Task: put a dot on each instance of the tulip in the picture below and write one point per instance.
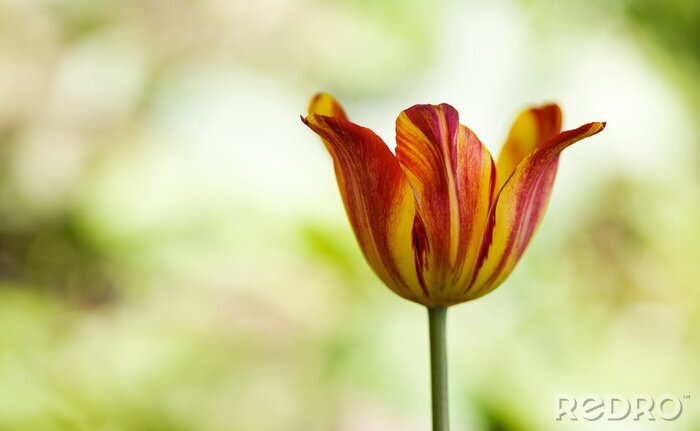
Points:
(439, 222)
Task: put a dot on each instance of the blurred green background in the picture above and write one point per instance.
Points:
(174, 254)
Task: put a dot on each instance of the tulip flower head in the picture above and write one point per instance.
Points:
(440, 222)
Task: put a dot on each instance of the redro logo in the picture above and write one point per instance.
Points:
(618, 408)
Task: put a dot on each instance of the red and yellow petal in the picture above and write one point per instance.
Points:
(531, 129)
(325, 104)
(377, 197)
(519, 208)
(453, 177)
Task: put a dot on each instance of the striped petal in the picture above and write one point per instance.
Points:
(377, 197)
(531, 129)
(453, 177)
(519, 208)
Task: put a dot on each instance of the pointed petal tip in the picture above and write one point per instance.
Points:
(597, 127)
(324, 104)
(586, 130)
(309, 120)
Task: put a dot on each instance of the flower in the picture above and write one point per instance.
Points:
(440, 222)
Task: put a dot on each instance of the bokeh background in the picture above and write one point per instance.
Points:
(174, 254)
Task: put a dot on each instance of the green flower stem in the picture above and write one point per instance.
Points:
(437, 317)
